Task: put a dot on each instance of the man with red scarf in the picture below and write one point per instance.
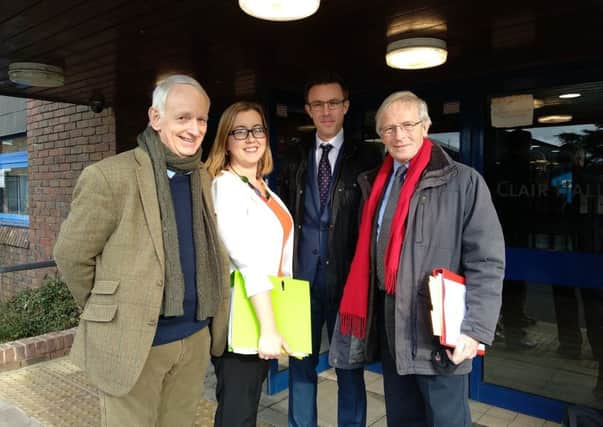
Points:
(423, 211)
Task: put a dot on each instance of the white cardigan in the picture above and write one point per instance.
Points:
(251, 232)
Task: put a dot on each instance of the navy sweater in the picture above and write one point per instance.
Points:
(175, 328)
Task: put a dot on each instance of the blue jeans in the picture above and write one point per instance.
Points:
(351, 396)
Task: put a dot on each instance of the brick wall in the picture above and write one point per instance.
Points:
(62, 139)
(27, 351)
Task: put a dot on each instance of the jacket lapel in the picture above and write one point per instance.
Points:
(150, 204)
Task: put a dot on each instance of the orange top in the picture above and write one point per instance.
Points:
(285, 220)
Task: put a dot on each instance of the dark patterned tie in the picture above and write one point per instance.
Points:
(386, 224)
(324, 174)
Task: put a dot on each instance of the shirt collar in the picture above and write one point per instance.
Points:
(171, 173)
(398, 165)
(336, 141)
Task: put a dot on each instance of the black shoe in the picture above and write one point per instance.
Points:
(520, 344)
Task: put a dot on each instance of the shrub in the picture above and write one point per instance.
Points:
(38, 311)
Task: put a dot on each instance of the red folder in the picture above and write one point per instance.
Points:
(447, 291)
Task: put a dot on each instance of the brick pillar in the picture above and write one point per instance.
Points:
(62, 139)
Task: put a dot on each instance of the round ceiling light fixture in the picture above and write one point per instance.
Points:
(36, 74)
(279, 10)
(416, 53)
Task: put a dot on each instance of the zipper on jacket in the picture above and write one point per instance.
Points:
(419, 227)
(413, 338)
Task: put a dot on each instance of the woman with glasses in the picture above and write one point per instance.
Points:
(257, 230)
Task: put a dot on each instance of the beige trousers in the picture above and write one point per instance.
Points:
(168, 390)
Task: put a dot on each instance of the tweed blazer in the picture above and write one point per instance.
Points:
(110, 253)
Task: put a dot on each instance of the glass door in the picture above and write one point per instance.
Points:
(546, 179)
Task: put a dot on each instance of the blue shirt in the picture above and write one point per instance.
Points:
(388, 189)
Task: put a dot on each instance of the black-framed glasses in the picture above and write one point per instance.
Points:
(241, 134)
(406, 127)
(331, 104)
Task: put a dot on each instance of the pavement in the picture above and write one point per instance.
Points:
(57, 394)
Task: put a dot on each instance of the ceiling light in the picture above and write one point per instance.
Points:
(35, 74)
(570, 95)
(416, 53)
(555, 118)
(279, 10)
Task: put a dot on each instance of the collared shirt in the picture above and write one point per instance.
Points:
(336, 142)
(171, 173)
(397, 165)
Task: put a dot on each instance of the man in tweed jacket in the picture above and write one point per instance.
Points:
(140, 253)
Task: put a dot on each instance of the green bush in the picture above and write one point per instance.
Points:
(38, 311)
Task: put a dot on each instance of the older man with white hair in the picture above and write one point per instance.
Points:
(140, 253)
(423, 211)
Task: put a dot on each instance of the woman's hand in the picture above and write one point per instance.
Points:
(270, 345)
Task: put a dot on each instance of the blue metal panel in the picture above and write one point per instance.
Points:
(14, 220)
(17, 159)
(577, 269)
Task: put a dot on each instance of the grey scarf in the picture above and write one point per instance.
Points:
(209, 268)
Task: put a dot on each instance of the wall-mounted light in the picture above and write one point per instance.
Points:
(555, 118)
(570, 95)
(416, 53)
(35, 74)
(279, 10)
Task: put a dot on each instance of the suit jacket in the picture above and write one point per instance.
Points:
(344, 203)
(110, 252)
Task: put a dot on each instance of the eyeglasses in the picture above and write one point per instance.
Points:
(406, 126)
(241, 134)
(332, 104)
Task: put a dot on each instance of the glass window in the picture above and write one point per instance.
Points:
(14, 208)
(546, 181)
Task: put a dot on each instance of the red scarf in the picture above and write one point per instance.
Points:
(354, 303)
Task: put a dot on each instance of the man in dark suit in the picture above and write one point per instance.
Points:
(318, 182)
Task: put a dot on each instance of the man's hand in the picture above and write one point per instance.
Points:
(466, 348)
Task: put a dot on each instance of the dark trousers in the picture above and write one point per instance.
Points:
(422, 400)
(351, 394)
(239, 388)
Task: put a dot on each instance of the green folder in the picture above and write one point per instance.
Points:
(291, 307)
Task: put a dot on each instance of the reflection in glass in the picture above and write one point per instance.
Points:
(547, 187)
(564, 362)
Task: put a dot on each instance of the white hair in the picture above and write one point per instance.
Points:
(402, 97)
(163, 87)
